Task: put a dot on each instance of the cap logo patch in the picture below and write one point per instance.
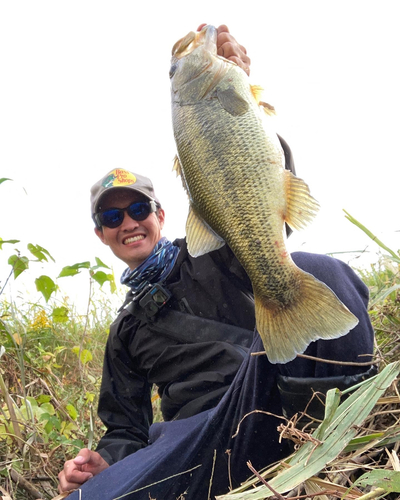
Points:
(119, 177)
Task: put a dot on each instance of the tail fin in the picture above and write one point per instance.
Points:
(315, 313)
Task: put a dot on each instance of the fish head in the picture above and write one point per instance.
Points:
(194, 63)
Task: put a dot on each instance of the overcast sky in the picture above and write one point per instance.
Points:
(84, 89)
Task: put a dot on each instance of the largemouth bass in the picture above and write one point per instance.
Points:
(233, 168)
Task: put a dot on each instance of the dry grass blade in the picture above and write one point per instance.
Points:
(341, 426)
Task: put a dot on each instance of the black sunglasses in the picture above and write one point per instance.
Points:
(113, 217)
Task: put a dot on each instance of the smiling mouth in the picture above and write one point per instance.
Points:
(132, 239)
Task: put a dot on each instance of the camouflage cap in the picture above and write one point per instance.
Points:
(120, 178)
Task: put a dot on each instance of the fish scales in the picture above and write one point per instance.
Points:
(232, 166)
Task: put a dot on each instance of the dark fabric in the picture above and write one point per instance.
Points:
(203, 439)
(180, 446)
(297, 393)
(192, 372)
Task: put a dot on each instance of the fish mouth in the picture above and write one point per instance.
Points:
(206, 37)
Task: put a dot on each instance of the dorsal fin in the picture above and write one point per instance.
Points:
(268, 109)
(256, 91)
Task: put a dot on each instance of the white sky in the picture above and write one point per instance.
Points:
(84, 88)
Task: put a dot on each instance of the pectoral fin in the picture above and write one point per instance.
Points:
(301, 206)
(232, 101)
(200, 237)
(179, 172)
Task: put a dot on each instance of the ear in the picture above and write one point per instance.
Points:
(161, 217)
(100, 234)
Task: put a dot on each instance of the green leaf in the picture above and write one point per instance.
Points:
(86, 356)
(354, 221)
(7, 241)
(73, 270)
(19, 264)
(99, 264)
(389, 480)
(113, 286)
(52, 422)
(60, 315)
(43, 398)
(3, 179)
(101, 277)
(39, 252)
(89, 396)
(45, 286)
(380, 297)
(72, 412)
(331, 405)
(49, 408)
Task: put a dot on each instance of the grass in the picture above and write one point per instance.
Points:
(52, 379)
(51, 366)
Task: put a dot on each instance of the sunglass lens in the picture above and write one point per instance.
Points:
(112, 218)
(139, 211)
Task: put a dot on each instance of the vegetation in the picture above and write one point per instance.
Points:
(50, 372)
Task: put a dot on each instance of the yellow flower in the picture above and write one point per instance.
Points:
(40, 321)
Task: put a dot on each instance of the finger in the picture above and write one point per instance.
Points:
(222, 29)
(245, 67)
(236, 53)
(83, 457)
(201, 26)
(72, 481)
(65, 486)
(227, 38)
(230, 49)
(76, 476)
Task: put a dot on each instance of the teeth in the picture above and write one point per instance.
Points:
(133, 238)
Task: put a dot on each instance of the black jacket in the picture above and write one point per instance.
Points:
(184, 350)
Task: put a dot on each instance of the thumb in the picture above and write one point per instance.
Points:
(83, 457)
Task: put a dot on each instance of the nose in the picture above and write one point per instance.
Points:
(128, 224)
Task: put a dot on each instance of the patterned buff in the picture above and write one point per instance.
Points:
(155, 269)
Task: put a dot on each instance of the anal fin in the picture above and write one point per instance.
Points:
(301, 207)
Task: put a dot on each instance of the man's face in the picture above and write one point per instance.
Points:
(132, 241)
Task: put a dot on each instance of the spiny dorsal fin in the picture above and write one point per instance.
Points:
(200, 237)
(301, 207)
(256, 91)
(268, 109)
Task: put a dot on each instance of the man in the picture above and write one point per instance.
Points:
(187, 326)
